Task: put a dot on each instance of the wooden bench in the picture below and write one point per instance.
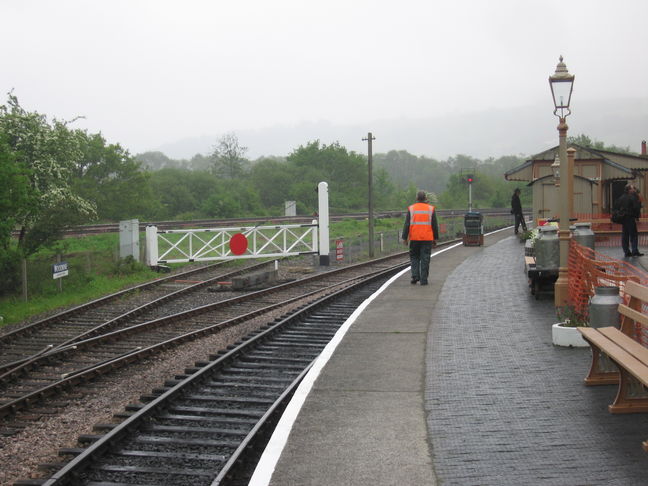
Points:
(623, 349)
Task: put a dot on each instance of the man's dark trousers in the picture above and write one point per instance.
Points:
(629, 236)
(420, 252)
(519, 220)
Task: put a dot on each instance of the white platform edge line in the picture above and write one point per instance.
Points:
(268, 462)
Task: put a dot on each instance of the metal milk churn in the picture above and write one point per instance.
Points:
(547, 249)
(584, 235)
(603, 307)
(528, 248)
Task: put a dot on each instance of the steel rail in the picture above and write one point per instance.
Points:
(70, 473)
(65, 352)
(110, 323)
(101, 300)
(114, 227)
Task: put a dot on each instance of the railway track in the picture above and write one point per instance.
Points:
(205, 223)
(101, 350)
(204, 427)
(102, 315)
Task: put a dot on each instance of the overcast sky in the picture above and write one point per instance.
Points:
(146, 73)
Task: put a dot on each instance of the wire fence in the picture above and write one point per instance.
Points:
(85, 265)
(589, 269)
(355, 249)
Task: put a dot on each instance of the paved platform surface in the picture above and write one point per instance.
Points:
(458, 383)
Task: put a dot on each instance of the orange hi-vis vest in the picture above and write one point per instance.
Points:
(421, 222)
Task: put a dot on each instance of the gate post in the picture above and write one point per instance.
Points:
(151, 246)
(323, 212)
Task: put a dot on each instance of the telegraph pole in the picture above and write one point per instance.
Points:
(369, 139)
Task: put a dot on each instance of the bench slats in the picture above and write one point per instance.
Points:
(633, 314)
(608, 345)
(627, 343)
(636, 290)
(629, 355)
(611, 341)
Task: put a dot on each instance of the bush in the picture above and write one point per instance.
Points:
(127, 266)
(9, 272)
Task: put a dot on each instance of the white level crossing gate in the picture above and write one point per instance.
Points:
(202, 245)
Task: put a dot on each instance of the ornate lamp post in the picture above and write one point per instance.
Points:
(562, 83)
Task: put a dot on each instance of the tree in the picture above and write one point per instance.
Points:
(16, 195)
(346, 173)
(45, 152)
(403, 168)
(585, 141)
(109, 176)
(172, 188)
(228, 157)
(232, 199)
(16, 198)
(155, 160)
(272, 180)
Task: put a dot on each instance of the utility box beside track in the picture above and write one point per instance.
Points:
(129, 239)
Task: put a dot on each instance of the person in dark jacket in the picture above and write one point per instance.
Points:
(516, 210)
(421, 229)
(630, 206)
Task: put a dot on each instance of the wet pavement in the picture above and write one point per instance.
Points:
(458, 383)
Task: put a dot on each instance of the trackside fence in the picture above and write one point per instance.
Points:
(589, 269)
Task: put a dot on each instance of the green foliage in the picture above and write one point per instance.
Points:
(10, 271)
(127, 266)
(109, 176)
(42, 157)
(571, 317)
(585, 141)
(345, 172)
(232, 199)
(403, 168)
(272, 180)
(352, 228)
(16, 193)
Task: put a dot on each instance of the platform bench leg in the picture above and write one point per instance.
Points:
(625, 402)
(597, 375)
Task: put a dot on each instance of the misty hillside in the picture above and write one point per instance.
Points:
(493, 133)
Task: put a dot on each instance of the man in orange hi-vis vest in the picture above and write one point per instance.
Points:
(421, 229)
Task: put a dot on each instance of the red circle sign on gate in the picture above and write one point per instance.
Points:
(238, 244)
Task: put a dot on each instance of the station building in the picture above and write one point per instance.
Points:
(599, 178)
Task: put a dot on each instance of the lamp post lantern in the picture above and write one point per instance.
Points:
(562, 84)
(555, 170)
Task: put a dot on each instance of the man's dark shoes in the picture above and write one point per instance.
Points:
(627, 254)
(636, 253)
(414, 280)
(423, 282)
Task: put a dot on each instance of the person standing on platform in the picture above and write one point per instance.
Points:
(421, 229)
(516, 210)
(630, 206)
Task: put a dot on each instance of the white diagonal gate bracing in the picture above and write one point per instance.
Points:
(200, 245)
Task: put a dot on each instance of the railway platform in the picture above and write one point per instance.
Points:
(456, 383)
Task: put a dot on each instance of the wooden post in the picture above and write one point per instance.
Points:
(59, 280)
(24, 279)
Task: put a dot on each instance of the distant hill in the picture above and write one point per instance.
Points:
(491, 133)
